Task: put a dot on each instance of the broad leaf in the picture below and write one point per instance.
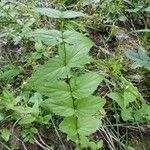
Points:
(27, 119)
(54, 37)
(50, 12)
(49, 37)
(62, 107)
(53, 13)
(5, 134)
(129, 87)
(88, 125)
(54, 89)
(81, 126)
(47, 73)
(73, 37)
(147, 9)
(146, 111)
(140, 58)
(68, 126)
(126, 114)
(84, 107)
(118, 98)
(143, 113)
(86, 84)
(9, 73)
(43, 80)
(1, 116)
(26, 110)
(74, 56)
(36, 98)
(72, 14)
(85, 142)
(89, 106)
(128, 97)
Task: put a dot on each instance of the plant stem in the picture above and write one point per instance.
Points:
(74, 106)
(68, 81)
(63, 42)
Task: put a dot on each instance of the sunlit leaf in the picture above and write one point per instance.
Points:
(86, 84)
(140, 58)
(89, 106)
(118, 98)
(5, 134)
(53, 13)
(62, 107)
(54, 37)
(81, 126)
(27, 119)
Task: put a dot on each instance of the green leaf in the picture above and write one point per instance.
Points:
(27, 119)
(54, 37)
(129, 87)
(62, 107)
(54, 89)
(9, 73)
(86, 143)
(26, 110)
(44, 79)
(88, 125)
(142, 54)
(147, 9)
(37, 55)
(89, 106)
(81, 126)
(53, 13)
(76, 38)
(96, 146)
(141, 59)
(118, 98)
(49, 37)
(1, 116)
(39, 47)
(44, 119)
(133, 10)
(142, 113)
(128, 98)
(72, 14)
(75, 56)
(126, 114)
(68, 126)
(47, 73)
(124, 99)
(5, 134)
(146, 111)
(132, 55)
(36, 98)
(86, 84)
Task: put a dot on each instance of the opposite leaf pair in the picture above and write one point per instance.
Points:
(69, 95)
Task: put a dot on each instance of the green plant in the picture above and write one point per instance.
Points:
(5, 134)
(140, 58)
(68, 87)
(24, 111)
(138, 9)
(29, 134)
(8, 72)
(131, 103)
